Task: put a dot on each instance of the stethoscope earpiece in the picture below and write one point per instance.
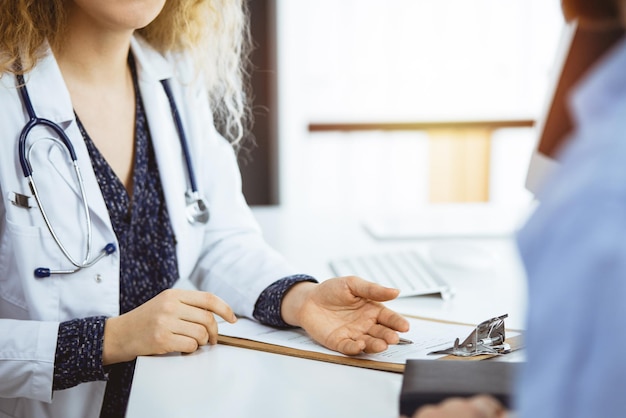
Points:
(43, 272)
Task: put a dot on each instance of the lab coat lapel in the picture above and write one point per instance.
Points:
(51, 100)
(151, 68)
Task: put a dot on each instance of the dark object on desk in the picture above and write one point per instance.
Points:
(432, 381)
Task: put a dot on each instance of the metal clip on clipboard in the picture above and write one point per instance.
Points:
(487, 338)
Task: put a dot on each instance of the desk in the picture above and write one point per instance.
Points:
(223, 381)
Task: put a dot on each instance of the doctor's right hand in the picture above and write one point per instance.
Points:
(175, 320)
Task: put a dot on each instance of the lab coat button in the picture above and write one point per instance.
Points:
(98, 278)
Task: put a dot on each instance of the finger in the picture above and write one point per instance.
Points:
(204, 318)
(372, 291)
(350, 347)
(213, 331)
(429, 411)
(487, 405)
(384, 333)
(197, 315)
(198, 332)
(393, 320)
(183, 344)
(451, 407)
(374, 345)
(210, 302)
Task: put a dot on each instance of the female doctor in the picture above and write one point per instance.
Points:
(123, 231)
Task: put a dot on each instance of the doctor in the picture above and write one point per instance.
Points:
(123, 231)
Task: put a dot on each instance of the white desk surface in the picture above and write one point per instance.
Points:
(223, 381)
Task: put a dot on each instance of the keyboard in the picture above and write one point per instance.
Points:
(401, 269)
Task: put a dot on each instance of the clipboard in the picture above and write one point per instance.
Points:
(310, 355)
(515, 343)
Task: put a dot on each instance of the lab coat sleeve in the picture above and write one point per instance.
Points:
(234, 262)
(27, 358)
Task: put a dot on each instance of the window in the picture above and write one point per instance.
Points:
(406, 61)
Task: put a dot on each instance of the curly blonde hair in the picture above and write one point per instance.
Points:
(215, 32)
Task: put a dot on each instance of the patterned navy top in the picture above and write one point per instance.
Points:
(139, 223)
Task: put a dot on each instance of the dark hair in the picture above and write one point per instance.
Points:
(590, 10)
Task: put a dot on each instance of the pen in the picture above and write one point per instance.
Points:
(404, 341)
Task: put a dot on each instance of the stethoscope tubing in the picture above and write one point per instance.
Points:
(197, 209)
(27, 169)
(44, 214)
(33, 121)
(181, 133)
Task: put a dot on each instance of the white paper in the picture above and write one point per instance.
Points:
(426, 335)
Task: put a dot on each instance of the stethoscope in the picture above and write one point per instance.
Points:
(197, 210)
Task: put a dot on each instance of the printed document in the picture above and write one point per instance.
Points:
(426, 335)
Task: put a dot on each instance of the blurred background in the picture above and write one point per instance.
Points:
(383, 106)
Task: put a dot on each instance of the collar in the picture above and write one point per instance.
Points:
(48, 92)
(151, 64)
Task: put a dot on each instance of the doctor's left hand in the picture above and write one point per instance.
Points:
(175, 320)
(345, 314)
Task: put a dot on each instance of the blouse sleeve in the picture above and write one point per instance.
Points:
(78, 355)
(267, 307)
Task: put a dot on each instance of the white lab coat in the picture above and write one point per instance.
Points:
(227, 256)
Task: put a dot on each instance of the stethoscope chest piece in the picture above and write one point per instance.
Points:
(197, 209)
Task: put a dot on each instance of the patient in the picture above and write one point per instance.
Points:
(575, 258)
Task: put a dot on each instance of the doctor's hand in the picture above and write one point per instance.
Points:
(345, 314)
(175, 320)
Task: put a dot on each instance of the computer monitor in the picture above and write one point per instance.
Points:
(578, 50)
